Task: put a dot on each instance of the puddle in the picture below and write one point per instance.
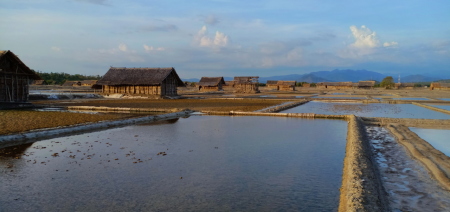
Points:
(438, 138)
(368, 110)
(408, 184)
(200, 163)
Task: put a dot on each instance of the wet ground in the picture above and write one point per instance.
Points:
(200, 163)
(408, 184)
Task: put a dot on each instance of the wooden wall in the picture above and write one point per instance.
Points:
(13, 81)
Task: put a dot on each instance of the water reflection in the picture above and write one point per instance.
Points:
(201, 163)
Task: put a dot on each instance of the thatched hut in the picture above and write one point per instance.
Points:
(272, 84)
(71, 83)
(281, 85)
(440, 86)
(89, 83)
(335, 85)
(15, 78)
(404, 86)
(369, 84)
(246, 84)
(210, 84)
(144, 81)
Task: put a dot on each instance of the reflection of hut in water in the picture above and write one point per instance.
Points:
(210, 84)
(14, 151)
(440, 86)
(246, 84)
(143, 81)
(161, 122)
(15, 78)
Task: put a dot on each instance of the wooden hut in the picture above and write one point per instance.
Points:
(286, 85)
(272, 84)
(335, 85)
(71, 83)
(143, 81)
(366, 84)
(210, 84)
(404, 86)
(440, 86)
(89, 83)
(246, 84)
(15, 78)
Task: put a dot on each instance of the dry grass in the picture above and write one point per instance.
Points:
(246, 105)
(20, 121)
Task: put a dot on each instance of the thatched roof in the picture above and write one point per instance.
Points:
(337, 83)
(27, 71)
(88, 82)
(441, 84)
(271, 82)
(366, 83)
(290, 83)
(137, 76)
(211, 81)
(71, 83)
(246, 79)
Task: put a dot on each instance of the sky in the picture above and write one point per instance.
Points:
(229, 38)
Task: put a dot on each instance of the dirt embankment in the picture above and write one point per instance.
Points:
(437, 163)
(361, 187)
(167, 104)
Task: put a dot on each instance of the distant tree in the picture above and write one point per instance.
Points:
(313, 85)
(387, 82)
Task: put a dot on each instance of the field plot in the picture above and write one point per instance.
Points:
(200, 163)
(368, 110)
(438, 138)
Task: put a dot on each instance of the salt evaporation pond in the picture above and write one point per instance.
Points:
(438, 138)
(368, 110)
(445, 107)
(410, 98)
(200, 163)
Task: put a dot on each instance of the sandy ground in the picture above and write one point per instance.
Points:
(407, 182)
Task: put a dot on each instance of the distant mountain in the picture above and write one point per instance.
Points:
(418, 78)
(349, 75)
(310, 78)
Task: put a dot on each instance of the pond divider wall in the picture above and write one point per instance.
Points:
(283, 107)
(434, 123)
(298, 115)
(432, 108)
(29, 137)
(97, 108)
(437, 163)
(361, 188)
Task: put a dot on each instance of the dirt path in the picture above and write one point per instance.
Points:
(408, 184)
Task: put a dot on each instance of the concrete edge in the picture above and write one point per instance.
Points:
(361, 188)
(30, 137)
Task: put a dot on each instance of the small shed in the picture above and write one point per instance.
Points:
(248, 84)
(404, 85)
(440, 86)
(286, 85)
(89, 83)
(211, 84)
(71, 83)
(272, 84)
(15, 78)
(369, 84)
(143, 81)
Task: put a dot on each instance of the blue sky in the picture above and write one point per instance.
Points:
(229, 38)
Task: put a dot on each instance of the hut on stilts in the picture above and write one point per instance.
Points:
(159, 82)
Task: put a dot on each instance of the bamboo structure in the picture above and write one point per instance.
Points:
(141, 81)
(15, 78)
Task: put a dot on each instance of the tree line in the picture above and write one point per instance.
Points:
(60, 78)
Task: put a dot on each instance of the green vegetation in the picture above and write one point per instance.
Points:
(59, 78)
(387, 82)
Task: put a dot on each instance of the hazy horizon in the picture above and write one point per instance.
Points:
(229, 38)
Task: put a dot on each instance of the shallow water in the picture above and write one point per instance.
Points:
(445, 99)
(200, 163)
(339, 97)
(410, 98)
(438, 138)
(445, 107)
(368, 110)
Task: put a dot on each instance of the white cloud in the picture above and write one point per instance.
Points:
(151, 48)
(390, 44)
(123, 47)
(364, 37)
(219, 40)
(56, 49)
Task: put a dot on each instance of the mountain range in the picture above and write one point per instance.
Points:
(337, 75)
